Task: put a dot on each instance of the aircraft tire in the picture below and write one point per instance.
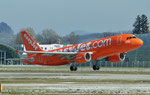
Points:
(73, 68)
(95, 67)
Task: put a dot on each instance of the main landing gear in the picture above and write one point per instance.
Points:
(96, 66)
(127, 59)
(73, 67)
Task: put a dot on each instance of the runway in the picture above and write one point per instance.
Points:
(42, 80)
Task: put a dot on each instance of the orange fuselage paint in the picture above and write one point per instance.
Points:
(101, 48)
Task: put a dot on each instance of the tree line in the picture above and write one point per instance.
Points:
(48, 36)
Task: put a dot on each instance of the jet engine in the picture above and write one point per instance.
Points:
(82, 58)
(117, 58)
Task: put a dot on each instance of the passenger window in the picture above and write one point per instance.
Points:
(131, 37)
(134, 37)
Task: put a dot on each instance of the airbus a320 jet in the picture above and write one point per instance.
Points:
(113, 48)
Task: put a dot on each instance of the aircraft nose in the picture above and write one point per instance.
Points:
(139, 43)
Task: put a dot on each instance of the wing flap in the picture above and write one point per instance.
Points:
(20, 59)
(52, 53)
(68, 55)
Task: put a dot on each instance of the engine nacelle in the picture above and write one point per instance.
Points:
(82, 58)
(117, 58)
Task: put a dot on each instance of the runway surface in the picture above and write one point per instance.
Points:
(43, 80)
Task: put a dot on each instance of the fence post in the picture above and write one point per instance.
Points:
(132, 63)
(143, 64)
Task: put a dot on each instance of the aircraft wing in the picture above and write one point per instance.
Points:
(54, 53)
(69, 55)
(20, 59)
(43, 52)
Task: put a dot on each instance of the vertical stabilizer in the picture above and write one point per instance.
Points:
(29, 43)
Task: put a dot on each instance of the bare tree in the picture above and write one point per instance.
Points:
(18, 39)
(72, 38)
(31, 32)
(48, 36)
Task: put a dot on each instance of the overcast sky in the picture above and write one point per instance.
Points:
(65, 16)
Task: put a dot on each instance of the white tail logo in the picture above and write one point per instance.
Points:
(30, 42)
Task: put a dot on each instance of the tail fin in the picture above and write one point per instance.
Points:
(29, 43)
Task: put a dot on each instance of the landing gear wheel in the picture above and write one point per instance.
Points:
(127, 59)
(73, 68)
(96, 67)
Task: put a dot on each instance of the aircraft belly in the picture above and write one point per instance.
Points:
(48, 60)
(55, 60)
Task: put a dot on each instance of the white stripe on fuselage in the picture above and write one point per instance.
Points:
(87, 46)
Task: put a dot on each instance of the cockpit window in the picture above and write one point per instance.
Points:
(131, 37)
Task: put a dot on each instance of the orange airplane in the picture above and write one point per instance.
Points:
(113, 48)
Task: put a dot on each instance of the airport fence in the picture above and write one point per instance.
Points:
(100, 63)
(120, 64)
(126, 64)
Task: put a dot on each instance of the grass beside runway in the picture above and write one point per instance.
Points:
(65, 69)
(73, 81)
(36, 92)
(44, 80)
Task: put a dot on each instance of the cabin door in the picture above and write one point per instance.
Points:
(119, 39)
